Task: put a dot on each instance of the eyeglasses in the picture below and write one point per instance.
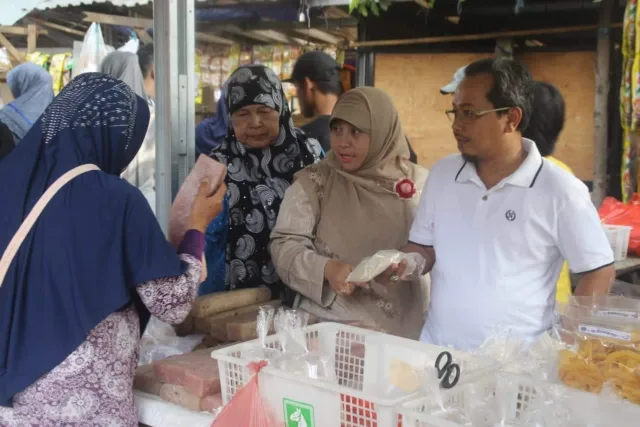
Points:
(468, 115)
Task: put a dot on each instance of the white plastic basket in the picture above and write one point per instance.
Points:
(515, 400)
(362, 395)
(618, 236)
(501, 399)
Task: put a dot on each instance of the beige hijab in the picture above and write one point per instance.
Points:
(360, 213)
(365, 200)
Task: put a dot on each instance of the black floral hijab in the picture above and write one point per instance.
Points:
(258, 178)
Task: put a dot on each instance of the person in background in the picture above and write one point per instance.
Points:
(316, 76)
(141, 172)
(347, 208)
(210, 133)
(450, 88)
(83, 283)
(547, 121)
(262, 152)
(32, 90)
(146, 58)
(504, 219)
(7, 144)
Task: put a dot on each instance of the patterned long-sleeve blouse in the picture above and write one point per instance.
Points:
(93, 386)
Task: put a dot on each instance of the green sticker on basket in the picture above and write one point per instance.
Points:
(298, 414)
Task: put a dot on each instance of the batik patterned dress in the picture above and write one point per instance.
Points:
(93, 387)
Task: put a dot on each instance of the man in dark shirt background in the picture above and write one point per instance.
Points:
(316, 76)
(318, 86)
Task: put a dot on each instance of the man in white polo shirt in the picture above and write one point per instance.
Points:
(497, 220)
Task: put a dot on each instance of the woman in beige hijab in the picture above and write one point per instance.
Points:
(359, 200)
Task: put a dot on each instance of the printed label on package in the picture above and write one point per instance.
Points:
(622, 314)
(598, 331)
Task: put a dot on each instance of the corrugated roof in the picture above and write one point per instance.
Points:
(54, 4)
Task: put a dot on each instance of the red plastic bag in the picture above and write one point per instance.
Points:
(246, 408)
(614, 212)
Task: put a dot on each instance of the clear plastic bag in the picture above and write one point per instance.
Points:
(601, 352)
(92, 53)
(160, 341)
(264, 325)
(247, 408)
(296, 357)
(373, 266)
(605, 307)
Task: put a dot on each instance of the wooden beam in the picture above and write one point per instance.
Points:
(144, 36)
(320, 24)
(17, 56)
(143, 24)
(273, 35)
(18, 31)
(320, 35)
(232, 29)
(336, 12)
(61, 28)
(208, 38)
(124, 21)
(601, 107)
(32, 38)
(481, 36)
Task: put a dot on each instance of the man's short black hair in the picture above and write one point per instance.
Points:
(145, 58)
(547, 118)
(326, 87)
(512, 84)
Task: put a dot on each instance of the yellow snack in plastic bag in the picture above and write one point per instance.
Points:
(598, 362)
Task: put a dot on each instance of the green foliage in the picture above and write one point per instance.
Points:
(375, 7)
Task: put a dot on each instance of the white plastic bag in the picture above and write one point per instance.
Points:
(160, 341)
(132, 45)
(92, 53)
(373, 266)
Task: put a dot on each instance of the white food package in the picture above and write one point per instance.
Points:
(93, 51)
(373, 266)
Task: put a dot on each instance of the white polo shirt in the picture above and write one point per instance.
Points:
(499, 251)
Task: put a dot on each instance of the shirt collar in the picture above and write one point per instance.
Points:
(525, 176)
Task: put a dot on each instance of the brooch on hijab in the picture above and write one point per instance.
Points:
(405, 188)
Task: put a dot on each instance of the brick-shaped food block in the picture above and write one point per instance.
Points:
(197, 372)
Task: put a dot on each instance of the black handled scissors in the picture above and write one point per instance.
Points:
(449, 372)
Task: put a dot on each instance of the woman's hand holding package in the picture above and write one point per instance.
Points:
(336, 273)
(205, 209)
(393, 274)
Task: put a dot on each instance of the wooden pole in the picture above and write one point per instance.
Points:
(601, 116)
(484, 36)
(32, 38)
(18, 58)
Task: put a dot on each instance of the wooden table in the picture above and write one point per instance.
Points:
(630, 265)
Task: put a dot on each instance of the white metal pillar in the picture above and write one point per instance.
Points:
(174, 47)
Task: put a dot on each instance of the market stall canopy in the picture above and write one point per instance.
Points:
(217, 23)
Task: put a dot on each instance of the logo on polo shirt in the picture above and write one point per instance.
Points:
(510, 215)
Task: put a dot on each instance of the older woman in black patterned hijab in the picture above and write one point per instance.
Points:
(262, 151)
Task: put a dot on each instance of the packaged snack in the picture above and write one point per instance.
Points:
(602, 351)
